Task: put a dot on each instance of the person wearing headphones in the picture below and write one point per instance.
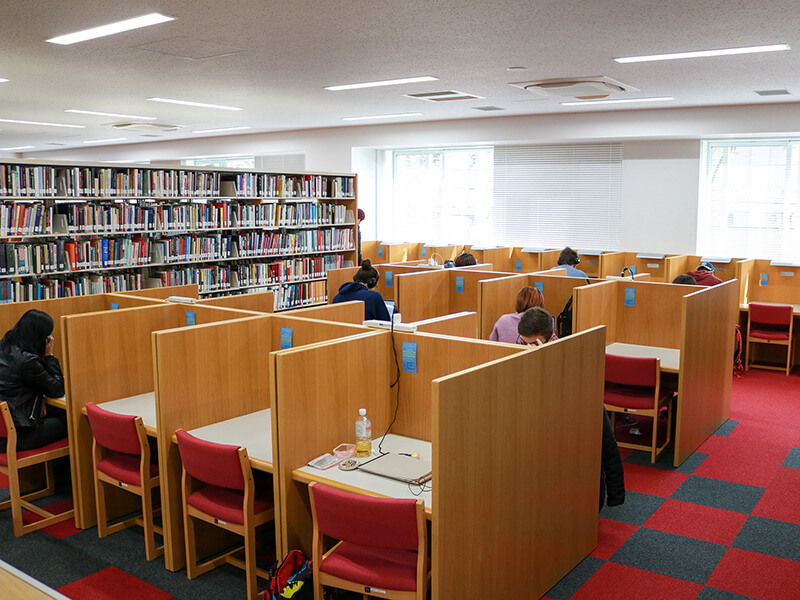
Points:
(704, 275)
(465, 259)
(568, 259)
(360, 288)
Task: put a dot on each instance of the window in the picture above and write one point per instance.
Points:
(222, 162)
(749, 199)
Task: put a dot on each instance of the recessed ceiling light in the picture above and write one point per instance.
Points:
(41, 123)
(704, 53)
(516, 68)
(19, 148)
(110, 29)
(369, 84)
(220, 129)
(105, 140)
(619, 101)
(106, 114)
(394, 116)
(197, 104)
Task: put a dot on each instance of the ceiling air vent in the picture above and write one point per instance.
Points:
(582, 88)
(487, 108)
(446, 96)
(146, 127)
(773, 92)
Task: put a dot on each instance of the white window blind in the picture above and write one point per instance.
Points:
(749, 200)
(557, 195)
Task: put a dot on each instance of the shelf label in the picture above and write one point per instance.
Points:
(539, 286)
(388, 277)
(190, 318)
(286, 338)
(114, 305)
(424, 252)
(630, 296)
(380, 251)
(764, 279)
(518, 265)
(460, 284)
(410, 357)
(632, 269)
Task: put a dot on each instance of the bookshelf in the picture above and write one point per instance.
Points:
(70, 230)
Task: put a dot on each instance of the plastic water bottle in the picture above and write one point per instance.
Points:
(363, 434)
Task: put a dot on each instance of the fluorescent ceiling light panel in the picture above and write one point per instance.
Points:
(369, 84)
(197, 104)
(221, 129)
(704, 53)
(41, 123)
(394, 116)
(619, 101)
(105, 114)
(19, 148)
(110, 29)
(3, 80)
(105, 140)
(217, 156)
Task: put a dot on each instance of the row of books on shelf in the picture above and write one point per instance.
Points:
(77, 182)
(62, 255)
(89, 283)
(301, 294)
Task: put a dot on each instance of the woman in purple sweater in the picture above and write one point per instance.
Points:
(505, 330)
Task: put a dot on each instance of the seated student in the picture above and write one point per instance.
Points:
(685, 279)
(465, 259)
(505, 330)
(535, 327)
(360, 288)
(567, 260)
(704, 275)
(28, 373)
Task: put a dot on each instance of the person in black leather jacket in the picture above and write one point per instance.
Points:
(612, 474)
(28, 373)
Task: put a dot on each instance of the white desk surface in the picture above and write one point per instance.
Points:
(374, 485)
(253, 431)
(141, 405)
(670, 357)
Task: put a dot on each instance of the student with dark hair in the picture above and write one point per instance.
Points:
(360, 288)
(704, 275)
(28, 373)
(505, 330)
(465, 259)
(685, 279)
(535, 327)
(568, 259)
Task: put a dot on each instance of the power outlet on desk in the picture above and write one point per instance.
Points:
(405, 327)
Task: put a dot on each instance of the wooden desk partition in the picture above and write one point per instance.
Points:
(337, 278)
(772, 283)
(374, 251)
(342, 312)
(508, 482)
(549, 259)
(444, 252)
(462, 324)
(497, 297)
(611, 263)
(745, 270)
(422, 295)
(596, 305)
(258, 302)
(677, 265)
(188, 290)
(463, 288)
(501, 258)
(401, 252)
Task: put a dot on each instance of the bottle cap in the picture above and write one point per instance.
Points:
(362, 411)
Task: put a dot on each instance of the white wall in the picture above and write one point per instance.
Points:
(660, 169)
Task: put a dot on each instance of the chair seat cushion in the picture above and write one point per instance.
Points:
(769, 334)
(62, 443)
(377, 567)
(629, 397)
(227, 505)
(125, 468)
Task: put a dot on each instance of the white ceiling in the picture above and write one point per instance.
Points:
(274, 58)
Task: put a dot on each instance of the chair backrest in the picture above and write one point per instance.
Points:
(114, 431)
(770, 314)
(631, 370)
(365, 520)
(214, 464)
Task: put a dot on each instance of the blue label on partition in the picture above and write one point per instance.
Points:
(633, 269)
(460, 284)
(424, 251)
(764, 279)
(518, 265)
(114, 305)
(190, 318)
(387, 275)
(539, 286)
(630, 296)
(410, 357)
(380, 251)
(286, 337)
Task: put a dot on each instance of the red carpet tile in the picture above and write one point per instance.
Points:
(614, 582)
(757, 576)
(610, 537)
(656, 482)
(781, 500)
(696, 521)
(741, 461)
(112, 584)
(59, 530)
(625, 453)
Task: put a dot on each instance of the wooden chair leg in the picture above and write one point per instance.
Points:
(102, 515)
(250, 563)
(16, 505)
(151, 551)
(654, 447)
(191, 549)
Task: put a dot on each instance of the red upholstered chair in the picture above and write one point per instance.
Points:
(218, 488)
(633, 386)
(381, 549)
(121, 457)
(769, 324)
(13, 462)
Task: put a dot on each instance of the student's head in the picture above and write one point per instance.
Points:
(361, 215)
(30, 333)
(367, 274)
(535, 327)
(705, 266)
(685, 279)
(568, 256)
(529, 297)
(465, 259)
